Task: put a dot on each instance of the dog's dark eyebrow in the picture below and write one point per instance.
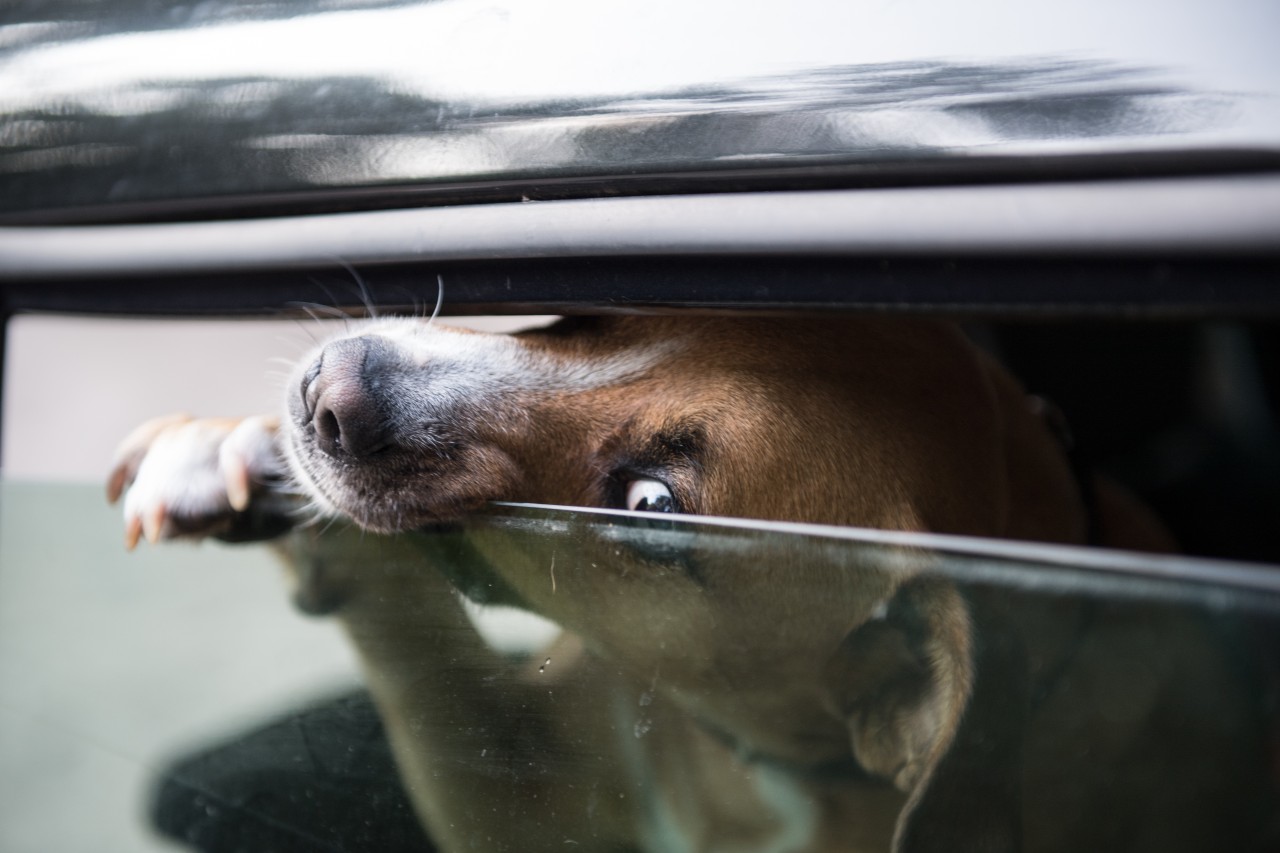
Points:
(684, 442)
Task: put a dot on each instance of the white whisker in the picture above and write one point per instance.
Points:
(439, 299)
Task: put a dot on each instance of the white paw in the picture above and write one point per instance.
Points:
(184, 477)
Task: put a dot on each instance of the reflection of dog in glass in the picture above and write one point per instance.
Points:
(709, 702)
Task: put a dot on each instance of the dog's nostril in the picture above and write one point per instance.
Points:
(345, 399)
(328, 431)
(348, 422)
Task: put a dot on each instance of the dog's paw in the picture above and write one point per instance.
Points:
(195, 478)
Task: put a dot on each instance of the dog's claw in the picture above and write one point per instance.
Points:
(236, 473)
(132, 533)
(153, 524)
(116, 483)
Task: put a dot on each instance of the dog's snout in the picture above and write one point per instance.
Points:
(343, 400)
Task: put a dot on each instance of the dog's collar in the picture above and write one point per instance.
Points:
(837, 770)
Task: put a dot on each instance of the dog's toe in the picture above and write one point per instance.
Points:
(192, 478)
(133, 450)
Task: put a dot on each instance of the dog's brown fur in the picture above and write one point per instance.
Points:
(781, 705)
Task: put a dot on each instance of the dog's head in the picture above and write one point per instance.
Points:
(891, 424)
(869, 423)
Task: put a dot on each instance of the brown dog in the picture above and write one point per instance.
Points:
(712, 700)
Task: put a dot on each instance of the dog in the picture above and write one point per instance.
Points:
(700, 700)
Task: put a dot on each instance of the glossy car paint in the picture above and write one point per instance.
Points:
(142, 110)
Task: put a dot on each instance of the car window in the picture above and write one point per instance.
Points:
(177, 688)
(179, 692)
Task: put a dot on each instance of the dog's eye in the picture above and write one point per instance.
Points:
(647, 495)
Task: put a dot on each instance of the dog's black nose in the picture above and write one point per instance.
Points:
(343, 394)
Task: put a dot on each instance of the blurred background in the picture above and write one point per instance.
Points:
(112, 664)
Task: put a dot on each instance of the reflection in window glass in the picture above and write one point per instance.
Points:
(758, 686)
(771, 688)
(113, 663)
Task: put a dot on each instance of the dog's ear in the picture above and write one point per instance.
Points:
(939, 711)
